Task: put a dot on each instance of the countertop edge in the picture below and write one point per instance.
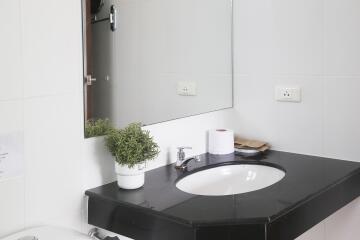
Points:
(313, 196)
(321, 205)
(226, 222)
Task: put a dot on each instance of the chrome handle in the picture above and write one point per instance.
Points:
(181, 154)
(89, 80)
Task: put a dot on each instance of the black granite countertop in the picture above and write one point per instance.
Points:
(312, 189)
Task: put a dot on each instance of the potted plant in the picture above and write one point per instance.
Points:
(131, 147)
(97, 128)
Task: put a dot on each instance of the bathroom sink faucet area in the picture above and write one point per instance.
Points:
(182, 161)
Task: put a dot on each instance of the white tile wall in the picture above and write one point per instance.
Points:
(341, 37)
(283, 125)
(297, 31)
(253, 50)
(11, 116)
(53, 158)
(292, 42)
(11, 111)
(12, 195)
(10, 58)
(293, 121)
(50, 35)
(313, 44)
(12, 205)
(40, 95)
(98, 165)
(341, 117)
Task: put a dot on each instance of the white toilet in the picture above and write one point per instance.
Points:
(47, 233)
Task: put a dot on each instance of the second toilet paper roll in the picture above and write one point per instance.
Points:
(221, 141)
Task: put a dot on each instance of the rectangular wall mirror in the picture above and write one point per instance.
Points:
(152, 61)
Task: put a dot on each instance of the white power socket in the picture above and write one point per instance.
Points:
(186, 88)
(288, 94)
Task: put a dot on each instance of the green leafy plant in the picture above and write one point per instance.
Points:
(95, 128)
(131, 145)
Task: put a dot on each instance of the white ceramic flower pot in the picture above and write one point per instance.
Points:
(130, 178)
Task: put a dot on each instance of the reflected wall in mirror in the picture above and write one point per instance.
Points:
(166, 59)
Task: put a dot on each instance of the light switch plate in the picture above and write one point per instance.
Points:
(186, 88)
(288, 94)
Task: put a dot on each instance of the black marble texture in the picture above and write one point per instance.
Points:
(313, 189)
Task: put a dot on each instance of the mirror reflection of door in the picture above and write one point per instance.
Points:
(99, 22)
(90, 10)
(87, 57)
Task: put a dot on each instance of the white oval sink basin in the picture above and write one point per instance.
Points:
(230, 179)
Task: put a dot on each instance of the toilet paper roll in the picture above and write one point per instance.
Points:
(221, 141)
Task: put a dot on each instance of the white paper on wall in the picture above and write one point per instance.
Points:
(11, 156)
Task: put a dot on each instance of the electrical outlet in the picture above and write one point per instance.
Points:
(288, 94)
(186, 88)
